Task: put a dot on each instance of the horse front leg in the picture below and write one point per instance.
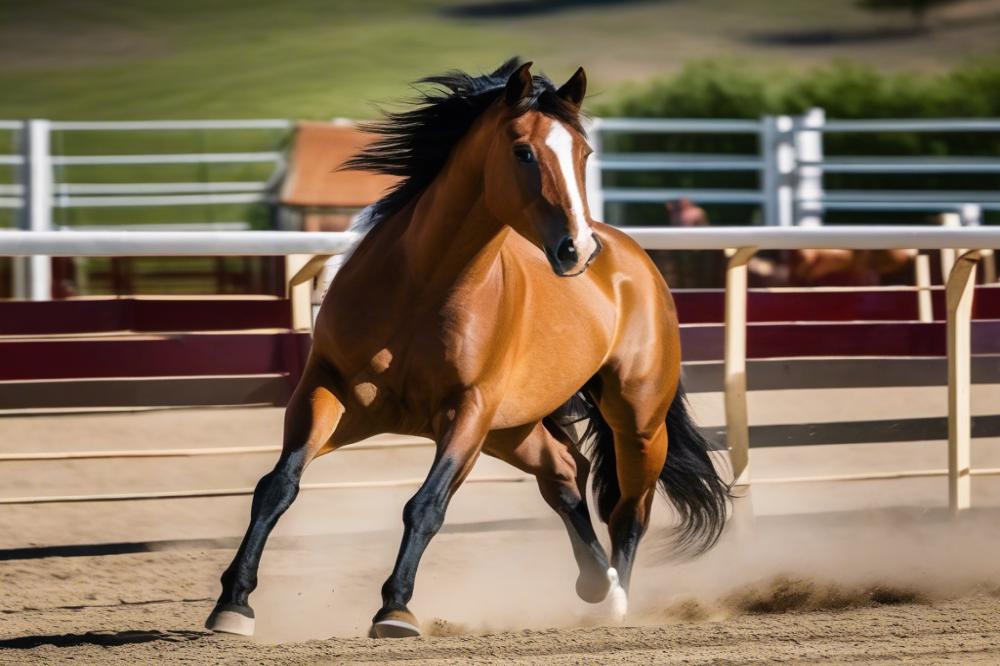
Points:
(462, 431)
(311, 417)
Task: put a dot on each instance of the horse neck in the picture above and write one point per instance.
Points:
(450, 227)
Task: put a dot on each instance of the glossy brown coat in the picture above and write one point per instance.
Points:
(458, 319)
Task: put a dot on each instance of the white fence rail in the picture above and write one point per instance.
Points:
(263, 243)
(740, 243)
(789, 161)
(171, 243)
(37, 194)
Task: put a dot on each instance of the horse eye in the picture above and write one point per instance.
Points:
(524, 154)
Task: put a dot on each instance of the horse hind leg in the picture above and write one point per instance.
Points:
(628, 448)
(550, 454)
(689, 479)
(639, 459)
(625, 483)
(312, 415)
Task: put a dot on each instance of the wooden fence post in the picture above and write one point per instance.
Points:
(989, 260)
(948, 254)
(959, 293)
(922, 268)
(737, 423)
(299, 292)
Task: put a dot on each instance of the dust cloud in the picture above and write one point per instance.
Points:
(507, 580)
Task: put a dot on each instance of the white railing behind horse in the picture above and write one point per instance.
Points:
(789, 160)
(741, 243)
(38, 193)
(791, 163)
(263, 243)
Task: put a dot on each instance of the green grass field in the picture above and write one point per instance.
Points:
(119, 59)
(140, 59)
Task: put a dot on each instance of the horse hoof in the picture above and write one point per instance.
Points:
(617, 598)
(231, 619)
(394, 624)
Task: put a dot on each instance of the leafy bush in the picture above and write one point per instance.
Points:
(729, 89)
(726, 89)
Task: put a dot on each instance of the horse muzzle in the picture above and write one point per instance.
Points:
(568, 259)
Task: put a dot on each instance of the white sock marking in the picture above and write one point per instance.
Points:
(617, 598)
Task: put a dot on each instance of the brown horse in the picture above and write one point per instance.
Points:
(486, 310)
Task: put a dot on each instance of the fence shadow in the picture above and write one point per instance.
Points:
(835, 36)
(115, 548)
(828, 37)
(232, 542)
(100, 638)
(524, 8)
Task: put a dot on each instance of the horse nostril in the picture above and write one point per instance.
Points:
(566, 252)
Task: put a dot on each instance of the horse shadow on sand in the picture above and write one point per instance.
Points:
(101, 638)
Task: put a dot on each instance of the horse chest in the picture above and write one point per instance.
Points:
(447, 347)
(398, 375)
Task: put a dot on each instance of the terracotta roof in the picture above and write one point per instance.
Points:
(313, 179)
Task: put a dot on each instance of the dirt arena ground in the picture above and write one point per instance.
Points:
(828, 572)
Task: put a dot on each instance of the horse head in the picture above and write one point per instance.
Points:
(534, 168)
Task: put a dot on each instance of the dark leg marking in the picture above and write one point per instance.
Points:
(567, 501)
(628, 525)
(422, 518)
(274, 493)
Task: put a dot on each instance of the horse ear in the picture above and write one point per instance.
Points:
(519, 85)
(574, 90)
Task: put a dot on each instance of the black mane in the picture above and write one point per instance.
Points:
(415, 144)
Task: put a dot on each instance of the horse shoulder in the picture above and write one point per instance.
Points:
(644, 307)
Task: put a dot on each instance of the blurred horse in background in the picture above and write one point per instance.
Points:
(805, 268)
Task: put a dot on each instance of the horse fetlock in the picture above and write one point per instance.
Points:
(592, 586)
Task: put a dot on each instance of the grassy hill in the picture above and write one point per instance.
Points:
(118, 59)
(140, 59)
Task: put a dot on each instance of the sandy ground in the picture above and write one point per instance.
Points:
(865, 571)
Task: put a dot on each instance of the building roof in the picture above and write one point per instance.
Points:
(313, 178)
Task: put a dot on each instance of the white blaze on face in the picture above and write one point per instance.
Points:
(561, 142)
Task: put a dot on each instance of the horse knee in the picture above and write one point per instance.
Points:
(423, 514)
(276, 490)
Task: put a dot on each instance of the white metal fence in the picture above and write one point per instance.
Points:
(789, 164)
(38, 192)
(740, 243)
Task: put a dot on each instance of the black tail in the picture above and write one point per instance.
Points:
(688, 480)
